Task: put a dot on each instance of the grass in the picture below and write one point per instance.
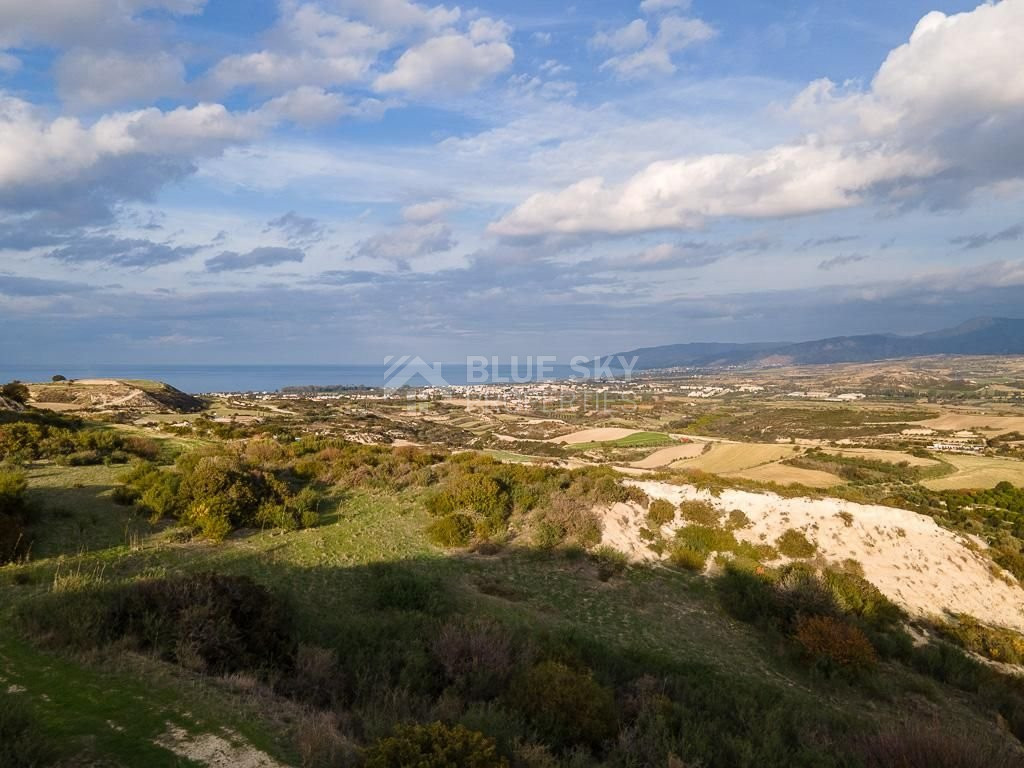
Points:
(326, 571)
(636, 440)
(977, 472)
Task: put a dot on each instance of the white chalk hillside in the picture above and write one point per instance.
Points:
(916, 563)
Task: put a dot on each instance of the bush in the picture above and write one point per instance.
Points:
(434, 746)
(208, 621)
(833, 643)
(705, 538)
(15, 514)
(610, 562)
(920, 745)
(792, 543)
(689, 558)
(565, 705)
(478, 656)
(452, 530)
(661, 512)
(396, 587)
(699, 512)
(22, 743)
(15, 391)
(994, 643)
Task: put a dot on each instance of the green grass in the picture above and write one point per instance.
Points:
(637, 440)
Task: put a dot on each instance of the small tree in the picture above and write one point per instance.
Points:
(434, 746)
(58, 377)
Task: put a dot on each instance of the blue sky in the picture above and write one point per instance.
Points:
(340, 180)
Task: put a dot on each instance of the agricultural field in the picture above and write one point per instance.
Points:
(724, 458)
(978, 472)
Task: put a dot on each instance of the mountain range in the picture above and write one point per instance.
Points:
(981, 336)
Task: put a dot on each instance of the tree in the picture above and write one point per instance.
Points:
(15, 391)
(58, 377)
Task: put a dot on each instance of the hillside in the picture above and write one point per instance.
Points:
(981, 336)
(107, 394)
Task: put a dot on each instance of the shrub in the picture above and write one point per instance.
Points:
(315, 677)
(705, 538)
(478, 656)
(688, 558)
(853, 594)
(434, 746)
(396, 587)
(610, 562)
(831, 642)
(22, 743)
(15, 391)
(565, 704)
(792, 543)
(699, 512)
(15, 514)
(738, 519)
(921, 745)
(452, 530)
(661, 512)
(994, 643)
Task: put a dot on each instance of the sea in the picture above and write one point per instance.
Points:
(197, 379)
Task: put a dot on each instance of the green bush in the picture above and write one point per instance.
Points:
(610, 562)
(661, 512)
(434, 746)
(705, 538)
(22, 742)
(452, 530)
(699, 512)
(15, 514)
(792, 543)
(566, 705)
(932, 745)
(689, 558)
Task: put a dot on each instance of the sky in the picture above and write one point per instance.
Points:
(336, 181)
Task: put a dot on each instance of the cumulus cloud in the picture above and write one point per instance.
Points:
(265, 256)
(943, 116)
(307, 105)
(308, 47)
(88, 78)
(451, 62)
(69, 22)
(641, 54)
(72, 173)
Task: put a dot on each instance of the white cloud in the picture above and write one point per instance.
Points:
(307, 47)
(452, 62)
(947, 108)
(653, 55)
(408, 242)
(430, 210)
(659, 6)
(37, 151)
(401, 14)
(307, 105)
(627, 38)
(89, 78)
(64, 22)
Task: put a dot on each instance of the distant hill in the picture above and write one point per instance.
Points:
(981, 336)
(112, 394)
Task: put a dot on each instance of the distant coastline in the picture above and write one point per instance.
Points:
(197, 379)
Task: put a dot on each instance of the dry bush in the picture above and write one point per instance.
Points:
(478, 656)
(935, 745)
(834, 641)
(321, 744)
